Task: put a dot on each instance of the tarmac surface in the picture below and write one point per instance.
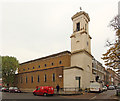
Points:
(107, 95)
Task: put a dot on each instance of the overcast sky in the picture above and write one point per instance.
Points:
(31, 29)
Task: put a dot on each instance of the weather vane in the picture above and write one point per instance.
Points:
(80, 8)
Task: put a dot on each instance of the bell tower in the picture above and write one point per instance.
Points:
(80, 39)
(79, 74)
(81, 48)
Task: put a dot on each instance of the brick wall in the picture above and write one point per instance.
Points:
(54, 64)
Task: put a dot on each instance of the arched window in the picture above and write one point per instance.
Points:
(52, 64)
(45, 78)
(26, 79)
(53, 77)
(31, 79)
(39, 66)
(60, 62)
(38, 78)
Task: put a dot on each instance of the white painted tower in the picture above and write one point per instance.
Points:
(80, 39)
(80, 72)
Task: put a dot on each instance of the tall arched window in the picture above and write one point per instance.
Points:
(53, 76)
(45, 78)
(38, 79)
(31, 79)
(26, 79)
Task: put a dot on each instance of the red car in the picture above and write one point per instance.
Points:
(44, 90)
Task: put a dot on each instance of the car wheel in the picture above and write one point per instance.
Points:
(34, 93)
(45, 94)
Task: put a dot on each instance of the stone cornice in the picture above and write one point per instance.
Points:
(80, 51)
(73, 35)
(80, 32)
(80, 13)
(40, 70)
(73, 67)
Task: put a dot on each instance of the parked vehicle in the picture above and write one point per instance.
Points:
(104, 88)
(4, 89)
(111, 87)
(14, 90)
(44, 90)
(118, 90)
(96, 87)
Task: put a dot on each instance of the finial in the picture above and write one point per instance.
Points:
(80, 8)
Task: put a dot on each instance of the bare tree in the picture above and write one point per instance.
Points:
(112, 56)
(115, 23)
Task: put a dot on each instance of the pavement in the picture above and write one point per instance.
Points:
(92, 96)
(84, 94)
(115, 97)
(68, 93)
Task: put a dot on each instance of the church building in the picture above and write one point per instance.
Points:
(68, 69)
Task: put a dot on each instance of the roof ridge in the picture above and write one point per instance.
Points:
(47, 57)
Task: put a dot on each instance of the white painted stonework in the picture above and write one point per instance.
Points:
(80, 42)
(81, 58)
(69, 80)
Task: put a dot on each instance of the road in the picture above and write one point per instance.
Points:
(110, 94)
(7, 95)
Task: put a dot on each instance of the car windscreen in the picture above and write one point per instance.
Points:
(111, 86)
(3, 88)
(38, 89)
(118, 87)
(11, 88)
(94, 86)
(15, 88)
